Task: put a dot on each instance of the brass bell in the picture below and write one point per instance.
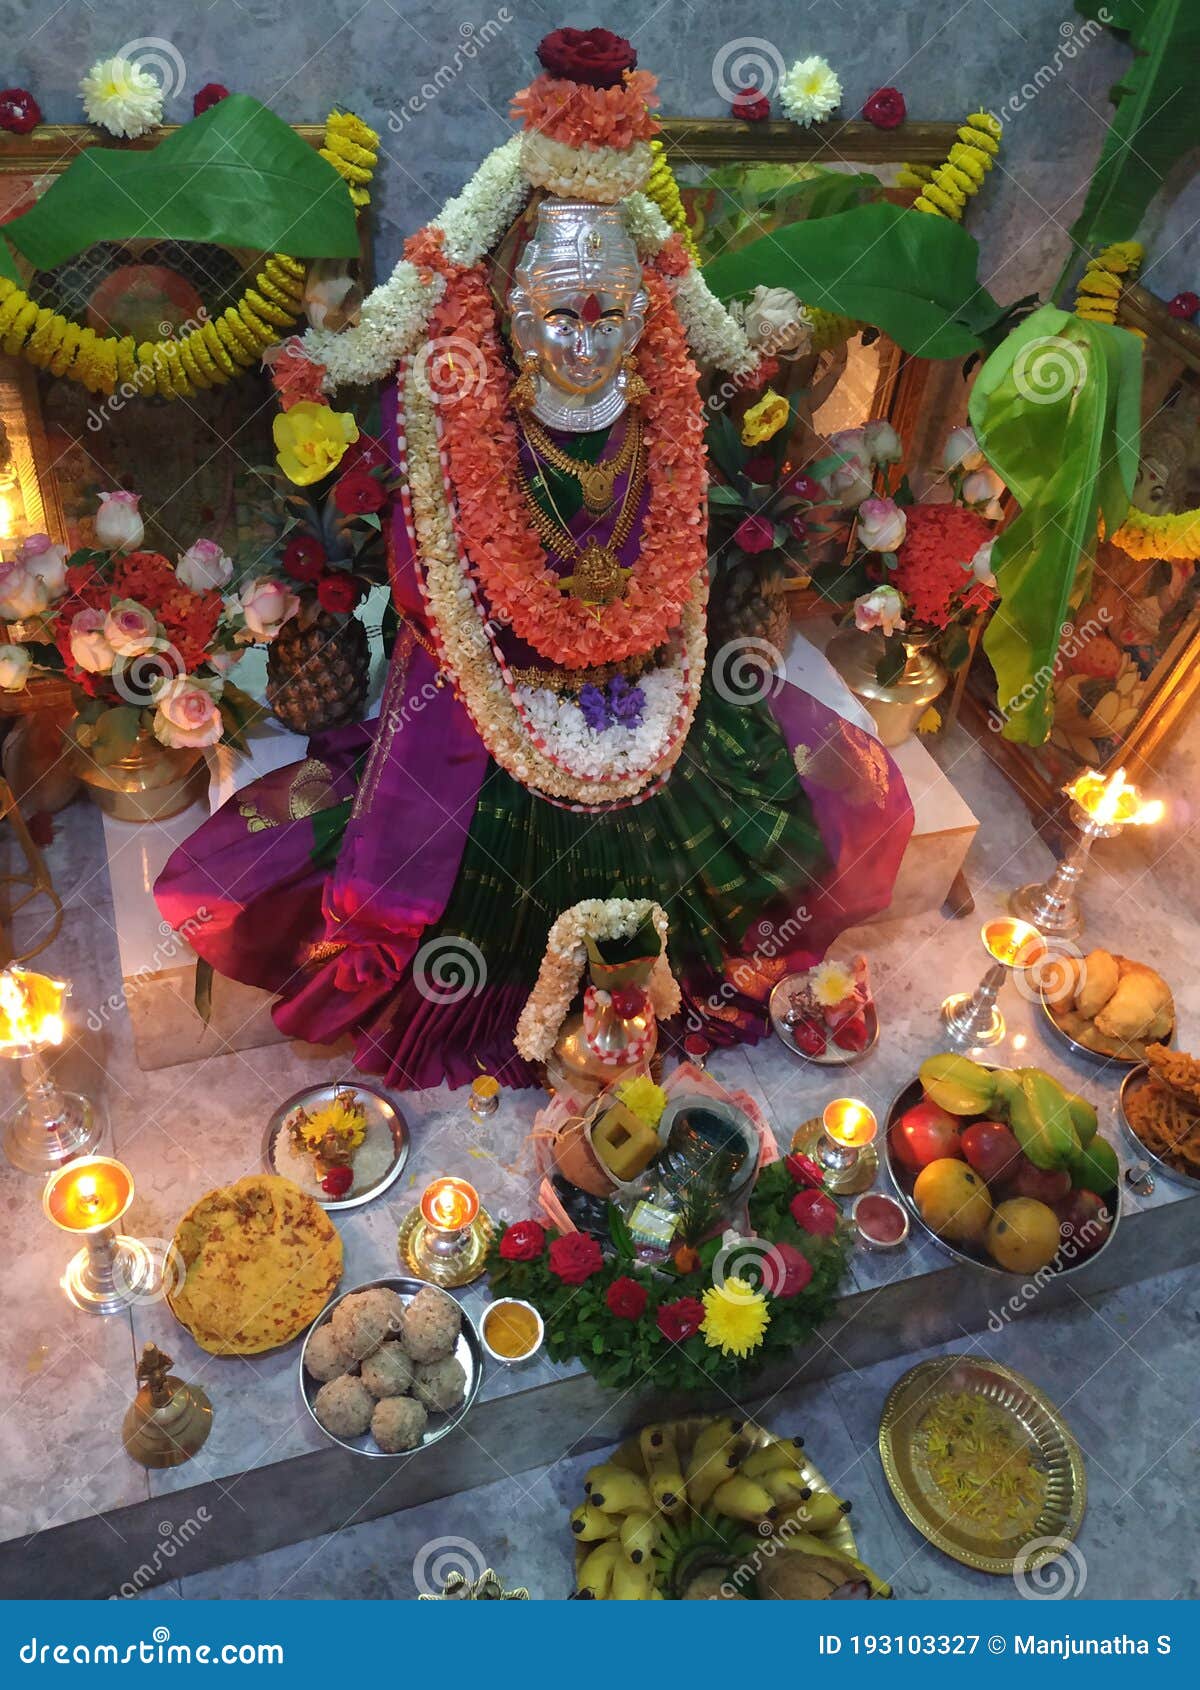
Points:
(168, 1421)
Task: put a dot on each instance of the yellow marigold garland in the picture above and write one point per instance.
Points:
(1099, 289)
(944, 191)
(221, 347)
(1174, 538)
(663, 189)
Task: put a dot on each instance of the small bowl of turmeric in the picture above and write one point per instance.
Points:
(512, 1331)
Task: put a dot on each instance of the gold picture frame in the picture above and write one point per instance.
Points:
(1163, 671)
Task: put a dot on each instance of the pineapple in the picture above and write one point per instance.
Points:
(318, 669)
(750, 602)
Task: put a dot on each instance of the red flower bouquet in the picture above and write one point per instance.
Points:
(626, 1299)
(575, 1257)
(680, 1320)
(933, 564)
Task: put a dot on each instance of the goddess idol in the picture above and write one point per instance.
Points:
(552, 729)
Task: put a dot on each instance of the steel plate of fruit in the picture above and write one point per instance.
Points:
(829, 1034)
(982, 1464)
(1003, 1167)
(680, 1511)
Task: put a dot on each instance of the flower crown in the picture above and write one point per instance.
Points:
(587, 119)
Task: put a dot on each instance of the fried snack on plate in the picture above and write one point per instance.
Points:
(1140, 1008)
(1096, 983)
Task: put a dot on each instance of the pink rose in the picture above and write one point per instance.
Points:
(130, 628)
(22, 593)
(186, 712)
(883, 608)
(267, 605)
(961, 450)
(754, 534)
(204, 567)
(89, 648)
(118, 526)
(881, 525)
(881, 442)
(41, 557)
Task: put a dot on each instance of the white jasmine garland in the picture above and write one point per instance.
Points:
(646, 224)
(603, 175)
(810, 91)
(473, 222)
(615, 750)
(392, 320)
(713, 334)
(566, 957)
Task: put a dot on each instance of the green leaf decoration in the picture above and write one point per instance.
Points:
(1056, 410)
(115, 732)
(912, 275)
(235, 177)
(1156, 121)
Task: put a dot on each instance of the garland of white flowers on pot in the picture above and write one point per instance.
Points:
(394, 315)
(566, 958)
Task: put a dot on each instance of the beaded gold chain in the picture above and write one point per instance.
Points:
(598, 576)
(596, 480)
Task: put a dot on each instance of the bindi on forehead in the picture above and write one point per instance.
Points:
(587, 307)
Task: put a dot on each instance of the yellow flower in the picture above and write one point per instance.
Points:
(763, 421)
(735, 1318)
(832, 983)
(346, 1122)
(312, 439)
(646, 1100)
(930, 721)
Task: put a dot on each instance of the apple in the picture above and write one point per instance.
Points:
(925, 1133)
(1084, 1221)
(992, 1150)
(1044, 1185)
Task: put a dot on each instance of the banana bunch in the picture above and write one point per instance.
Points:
(643, 1528)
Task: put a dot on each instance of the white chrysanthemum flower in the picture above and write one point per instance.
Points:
(121, 97)
(810, 91)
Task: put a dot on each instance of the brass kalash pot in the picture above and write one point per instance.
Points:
(600, 1045)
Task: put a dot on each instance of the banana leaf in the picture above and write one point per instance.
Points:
(1055, 410)
(1156, 121)
(912, 275)
(237, 177)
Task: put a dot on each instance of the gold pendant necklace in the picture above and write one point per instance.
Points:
(598, 576)
(596, 480)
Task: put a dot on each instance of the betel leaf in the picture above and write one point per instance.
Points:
(912, 275)
(236, 176)
(1055, 411)
(1156, 120)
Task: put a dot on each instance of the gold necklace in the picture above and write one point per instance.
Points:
(598, 577)
(596, 480)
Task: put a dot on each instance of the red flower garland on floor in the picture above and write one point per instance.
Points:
(492, 523)
(680, 1320)
(524, 1241)
(626, 1299)
(575, 1257)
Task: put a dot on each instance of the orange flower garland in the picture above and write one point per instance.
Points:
(580, 116)
(479, 439)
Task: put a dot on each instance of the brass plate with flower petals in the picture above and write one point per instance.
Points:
(905, 1464)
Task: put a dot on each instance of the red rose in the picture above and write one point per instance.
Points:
(524, 1241)
(19, 111)
(801, 486)
(1184, 306)
(677, 1321)
(304, 557)
(365, 453)
(596, 57)
(626, 1299)
(793, 1270)
(754, 534)
(804, 1170)
(338, 593)
(751, 105)
(796, 526)
(813, 1212)
(210, 95)
(358, 493)
(886, 108)
(628, 1001)
(575, 1257)
(760, 468)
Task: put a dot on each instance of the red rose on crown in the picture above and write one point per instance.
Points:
(575, 1257)
(596, 57)
(679, 1320)
(524, 1241)
(626, 1298)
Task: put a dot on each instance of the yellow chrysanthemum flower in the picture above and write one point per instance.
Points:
(763, 421)
(930, 721)
(312, 440)
(735, 1318)
(347, 1122)
(832, 983)
(646, 1100)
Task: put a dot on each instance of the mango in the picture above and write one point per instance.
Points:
(957, 1084)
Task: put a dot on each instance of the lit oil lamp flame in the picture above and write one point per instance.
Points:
(1114, 802)
(448, 1205)
(849, 1123)
(30, 1009)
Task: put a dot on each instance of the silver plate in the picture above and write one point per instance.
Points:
(903, 1179)
(1134, 1077)
(380, 1109)
(778, 1005)
(1103, 1058)
(468, 1351)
